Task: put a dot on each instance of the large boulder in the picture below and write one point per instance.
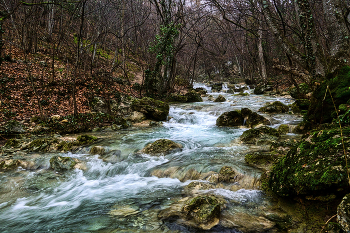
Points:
(315, 166)
(260, 136)
(153, 109)
(230, 119)
(238, 118)
(176, 98)
(60, 164)
(161, 147)
(193, 96)
(343, 213)
(275, 107)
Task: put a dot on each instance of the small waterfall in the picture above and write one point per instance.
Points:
(224, 87)
(202, 85)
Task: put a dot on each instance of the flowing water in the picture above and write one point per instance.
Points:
(124, 196)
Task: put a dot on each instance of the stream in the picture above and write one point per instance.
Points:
(125, 195)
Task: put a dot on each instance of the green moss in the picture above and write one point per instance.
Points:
(260, 134)
(226, 174)
(12, 143)
(315, 165)
(86, 139)
(283, 129)
(202, 209)
(260, 158)
(42, 144)
(174, 98)
(275, 107)
(242, 94)
(81, 140)
(161, 146)
(193, 96)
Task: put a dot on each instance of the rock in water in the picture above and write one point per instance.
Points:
(230, 119)
(59, 163)
(153, 109)
(343, 213)
(260, 136)
(275, 107)
(161, 147)
(193, 96)
(220, 98)
(227, 174)
(203, 210)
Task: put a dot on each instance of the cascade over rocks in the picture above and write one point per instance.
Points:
(161, 147)
(315, 166)
(275, 107)
(239, 118)
(153, 109)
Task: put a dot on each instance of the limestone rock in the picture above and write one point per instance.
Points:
(161, 147)
(226, 174)
(97, 150)
(59, 163)
(238, 118)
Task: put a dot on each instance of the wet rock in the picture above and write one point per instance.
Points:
(211, 98)
(43, 145)
(316, 165)
(201, 91)
(283, 129)
(260, 136)
(230, 119)
(238, 118)
(97, 150)
(193, 96)
(343, 213)
(220, 98)
(204, 211)
(261, 89)
(81, 141)
(227, 174)
(196, 186)
(123, 211)
(10, 164)
(161, 147)
(137, 116)
(154, 123)
(247, 223)
(175, 98)
(262, 160)
(275, 107)
(60, 164)
(153, 109)
(111, 157)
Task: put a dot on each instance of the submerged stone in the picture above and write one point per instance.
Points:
(161, 147)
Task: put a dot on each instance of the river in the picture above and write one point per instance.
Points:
(124, 195)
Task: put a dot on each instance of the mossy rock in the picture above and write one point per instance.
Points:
(260, 159)
(316, 165)
(9, 164)
(153, 109)
(193, 96)
(343, 213)
(81, 141)
(204, 210)
(12, 143)
(300, 105)
(201, 91)
(230, 119)
(262, 89)
(161, 147)
(260, 136)
(275, 107)
(12, 127)
(220, 98)
(43, 144)
(242, 94)
(175, 98)
(97, 150)
(321, 108)
(238, 118)
(227, 174)
(283, 129)
(60, 164)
